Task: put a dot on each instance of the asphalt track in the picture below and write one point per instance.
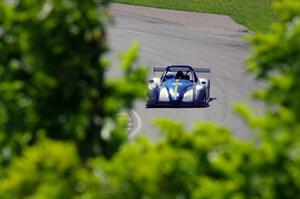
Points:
(179, 38)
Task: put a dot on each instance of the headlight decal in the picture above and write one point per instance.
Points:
(163, 95)
(151, 86)
(188, 96)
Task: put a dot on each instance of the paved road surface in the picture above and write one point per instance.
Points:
(173, 37)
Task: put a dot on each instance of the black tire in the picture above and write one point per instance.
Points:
(150, 104)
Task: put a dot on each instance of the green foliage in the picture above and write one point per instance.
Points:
(277, 56)
(52, 76)
(276, 59)
(181, 165)
(44, 172)
(206, 162)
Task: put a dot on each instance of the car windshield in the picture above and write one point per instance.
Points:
(178, 74)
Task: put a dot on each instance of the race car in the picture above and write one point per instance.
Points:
(178, 86)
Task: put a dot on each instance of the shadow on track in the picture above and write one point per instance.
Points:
(180, 107)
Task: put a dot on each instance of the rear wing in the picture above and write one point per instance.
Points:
(159, 68)
(202, 70)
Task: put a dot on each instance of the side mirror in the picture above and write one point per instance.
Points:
(151, 81)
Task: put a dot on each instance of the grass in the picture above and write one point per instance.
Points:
(257, 15)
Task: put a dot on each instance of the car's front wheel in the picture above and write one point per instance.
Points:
(150, 102)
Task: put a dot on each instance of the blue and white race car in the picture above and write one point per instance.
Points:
(178, 86)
